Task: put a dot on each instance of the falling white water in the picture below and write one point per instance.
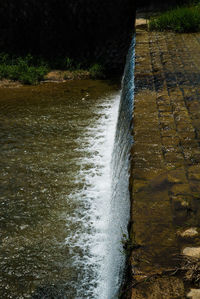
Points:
(105, 177)
(96, 173)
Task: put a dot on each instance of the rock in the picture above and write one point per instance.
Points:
(194, 294)
(188, 233)
(160, 288)
(192, 252)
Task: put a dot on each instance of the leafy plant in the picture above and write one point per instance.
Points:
(21, 69)
(97, 71)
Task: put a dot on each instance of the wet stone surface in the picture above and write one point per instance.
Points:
(165, 175)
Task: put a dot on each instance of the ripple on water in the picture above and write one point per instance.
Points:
(55, 180)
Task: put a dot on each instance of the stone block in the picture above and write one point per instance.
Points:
(170, 141)
(193, 252)
(194, 294)
(180, 189)
(188, 233)
(177, 176)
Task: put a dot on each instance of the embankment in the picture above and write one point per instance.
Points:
(165, 172)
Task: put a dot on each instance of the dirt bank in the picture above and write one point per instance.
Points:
(55, 76)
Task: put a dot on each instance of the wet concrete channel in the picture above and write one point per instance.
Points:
(165, 173)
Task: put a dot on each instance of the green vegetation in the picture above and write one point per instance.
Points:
(80, 69)
(32, 70)
(97, 71)
(25, 69)
(180, 19)
(65, 32)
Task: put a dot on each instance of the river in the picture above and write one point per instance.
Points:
(64, 200)
(56, 149)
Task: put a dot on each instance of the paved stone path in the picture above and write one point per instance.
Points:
(165, 174)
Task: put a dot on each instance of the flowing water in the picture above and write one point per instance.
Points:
(63, 207)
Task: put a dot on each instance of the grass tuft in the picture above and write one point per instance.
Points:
(180, 19)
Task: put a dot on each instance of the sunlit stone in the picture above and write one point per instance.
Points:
(194, 294)
(192, 252)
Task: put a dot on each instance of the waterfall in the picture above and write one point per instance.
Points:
(120, 205)
(115, 258)
(106, 192)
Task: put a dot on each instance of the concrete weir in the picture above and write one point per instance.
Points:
(165, 172)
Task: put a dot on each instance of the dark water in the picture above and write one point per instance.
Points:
(56, 147)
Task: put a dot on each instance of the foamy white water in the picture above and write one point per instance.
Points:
(97, 195)
(105, 192)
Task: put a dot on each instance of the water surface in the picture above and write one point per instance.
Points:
(56, 147)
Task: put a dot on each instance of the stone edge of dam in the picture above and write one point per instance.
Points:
(164, 246)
